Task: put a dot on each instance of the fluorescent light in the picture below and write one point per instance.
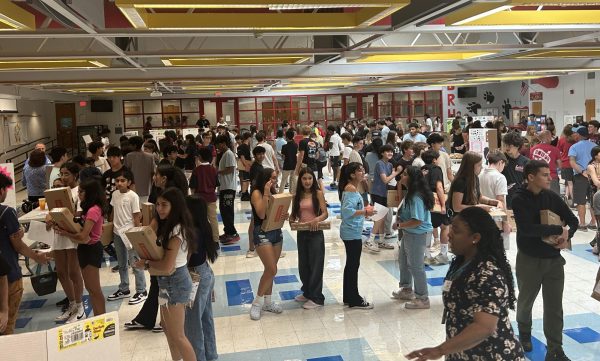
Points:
(483, 15)
(134, 17)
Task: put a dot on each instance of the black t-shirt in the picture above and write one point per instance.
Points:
(190, 161)
(460, 185)
(405, 164)
(203, 123)
(244, 150)
(255, 170)
(289, 151)
(109, 183)
(433, 175)
(513, 171)
(4, 267)
(458, 140)
(311, 152)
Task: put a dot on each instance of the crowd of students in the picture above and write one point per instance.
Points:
(367, 160)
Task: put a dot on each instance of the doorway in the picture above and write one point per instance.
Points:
(66, 125)
(590, 109)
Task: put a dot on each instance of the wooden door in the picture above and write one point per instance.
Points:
(536, 108)
(590, 109)
(66, 125)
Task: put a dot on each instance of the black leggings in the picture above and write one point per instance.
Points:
(147, 315)
(353, 252)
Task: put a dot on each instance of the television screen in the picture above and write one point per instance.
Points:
(102, 106)
(467, 92)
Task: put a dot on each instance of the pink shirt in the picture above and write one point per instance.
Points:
(546, 153)
(94, 214)
(306, 213)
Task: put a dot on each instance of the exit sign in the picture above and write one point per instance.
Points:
(83, 103)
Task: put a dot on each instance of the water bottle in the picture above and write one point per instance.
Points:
(107, 260)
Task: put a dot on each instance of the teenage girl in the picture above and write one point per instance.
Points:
(92, 199)
(176, 234)
(353, 217)
(267, 244)
(309, 207)
(65, 252)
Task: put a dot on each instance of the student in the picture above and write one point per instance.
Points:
(439, 220)
(408, 154)
(436, 142)
(309, 207)
(270, 160)
(245, 159)
(65, 252)
(580, 156)
(279, 143)
(540, 265)
(151, 147)
(348, 148)
(227, 188)
(418, 149)
(176, 234)
(203, 183)
(414, 220)
(307, 152)
(493, 185)
(593, 170)
(11, 245)
(89, 248)
(59, 157)
(126, 214)
(199, 322)
(4, 271)
(97, 151)
(414, 134)
(109, 178)
(549, 154)
(255, 170)
(268, 244)
(169, 155)
(566, 172)
(289, 151)
(516, 162)
(142, 166)
(335, 149)
(353, 214)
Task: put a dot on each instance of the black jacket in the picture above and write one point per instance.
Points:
(527, 207)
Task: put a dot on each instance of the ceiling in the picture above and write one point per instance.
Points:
(103, 47)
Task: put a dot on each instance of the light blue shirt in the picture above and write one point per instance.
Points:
(582, 151)
(35, 180)
(419, 138)
(352, 226)
(415, 209)
(279, 143)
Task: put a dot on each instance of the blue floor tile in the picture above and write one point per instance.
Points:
(327, 358)
(22, 322)
(428, 268)
(539, 350)
(435, 281)
(285, 279)
(230, 248)
(31, 304)
(289, 295)
(583, 334)
(239, 292)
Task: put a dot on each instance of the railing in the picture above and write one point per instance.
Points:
(19, 158)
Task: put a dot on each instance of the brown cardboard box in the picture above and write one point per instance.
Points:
(297, 226)
(147, 213)
(107, 233)
(279, 204)
(64, 218)
(143, 240)
(550, 218)
(393, 198)
(59, 198)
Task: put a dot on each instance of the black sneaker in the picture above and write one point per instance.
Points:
(138, 297)
(525, 339)
(364, 305)
(63, 302)
(118, 295)
(556, 355)
(115, 269)
(133, 325)
(157, 329)
(245, 197)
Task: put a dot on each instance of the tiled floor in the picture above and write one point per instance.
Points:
(335, 333)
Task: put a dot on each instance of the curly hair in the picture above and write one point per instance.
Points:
(490, 247)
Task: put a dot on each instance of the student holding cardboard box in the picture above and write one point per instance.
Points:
(126, 214)
(539, 264)
(89, 247)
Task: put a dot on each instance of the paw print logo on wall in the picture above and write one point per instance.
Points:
(473, 107)
(489, 97)
(6, 172)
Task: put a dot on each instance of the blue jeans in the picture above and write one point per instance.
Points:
(199, 323)
(125, 257)
(175, 289)
(412, 266)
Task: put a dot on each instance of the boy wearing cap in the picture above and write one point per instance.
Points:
(580, 155)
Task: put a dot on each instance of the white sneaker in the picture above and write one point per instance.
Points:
(403, 294)
(384, 245)
(436, 245)
(65, 315)
(430, 261)
(310, 305)
(418, 304)
(251, 254)
(300, 298)
(272, 307)
(370, 246)
(255, 312)
(77, 315)
(442, 259)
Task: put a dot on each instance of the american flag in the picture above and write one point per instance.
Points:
(524, 88)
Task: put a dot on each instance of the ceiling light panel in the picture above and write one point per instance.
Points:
(13, 17)
(417, 57)
(235, 61)
(51, 64)
(565, 53)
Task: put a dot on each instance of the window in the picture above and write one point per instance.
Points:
(385, 101)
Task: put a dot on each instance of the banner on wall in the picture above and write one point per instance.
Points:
(449, 96)
(8, 169)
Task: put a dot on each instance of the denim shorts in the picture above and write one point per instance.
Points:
(176, 288)
(261, 237)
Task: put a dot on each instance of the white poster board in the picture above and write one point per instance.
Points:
(24, 346)
(87, 139)
(186, 131)
(8, 169)
(131, 133)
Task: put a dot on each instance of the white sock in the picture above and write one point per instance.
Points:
(444, 249)
(268, 299)
(259, 300)
(372, 238)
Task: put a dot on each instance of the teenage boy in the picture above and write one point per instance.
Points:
(580, 155)
(126, 214)
(59, 157)
(109, 178)
(227, 187)
(169, 155)
(270, 158)
(289, 151)
(142, 166)
(348, 148)
(413, 134)
(434, 177)
(540, 265)
(550, 154)
(335, 150)
(4, 271)
(492, 184)
(97, 151)
(513, 171)
(436, 142)
(11, 245)
(203, 183)
(307, 152)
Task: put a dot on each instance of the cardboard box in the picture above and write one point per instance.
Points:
(147, 213)
(550, 218)
(279, 204)
(297, 226)
(59, 198)
(143, 240)
(393, 198)
(107, 233)
(64, 218)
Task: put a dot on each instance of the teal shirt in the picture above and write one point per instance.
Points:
(352, 226)
(415, 209)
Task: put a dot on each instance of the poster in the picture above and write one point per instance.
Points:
(11, 197)
(131, 133)
(17, 131)
(186, 131)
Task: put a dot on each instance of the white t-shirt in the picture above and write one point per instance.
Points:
(347, 151)
(429, 124)
(269, 154)
(181, 259)
(445, 163)
(227, 181)
(124, 206)
(337, 146)
(54, 174)
(492, 183)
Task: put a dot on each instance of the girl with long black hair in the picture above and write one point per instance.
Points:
(478, 292)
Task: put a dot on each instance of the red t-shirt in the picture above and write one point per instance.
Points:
(547, 153)
(204, 181)
(563, 147)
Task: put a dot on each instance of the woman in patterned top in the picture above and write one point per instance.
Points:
(478, 291)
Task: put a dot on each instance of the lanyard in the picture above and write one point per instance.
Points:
(448, 284)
